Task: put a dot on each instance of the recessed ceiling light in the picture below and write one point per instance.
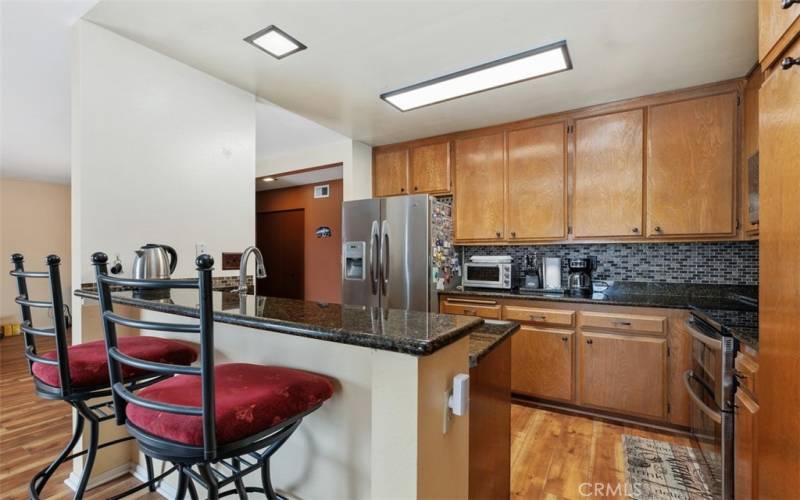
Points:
(541, 61)
(275, 42)
(268, 179)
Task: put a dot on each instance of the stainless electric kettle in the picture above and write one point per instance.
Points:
(154, 261)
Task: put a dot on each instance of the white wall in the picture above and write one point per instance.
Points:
(356, 159)
(161, 153)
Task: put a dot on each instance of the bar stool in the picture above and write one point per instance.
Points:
(233, 416)
(76, 374)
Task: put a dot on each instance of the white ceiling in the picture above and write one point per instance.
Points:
(358, 50)
(279, 131)
(300, 179)
(34, 87)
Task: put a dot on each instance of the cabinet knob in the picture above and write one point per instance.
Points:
(657, 229)
(564, 339)
(513, 234)
(789, 62)
(498, 233)
(588, 341)
(416, 188)
(402, 190)
(785, 4)
(635, 230)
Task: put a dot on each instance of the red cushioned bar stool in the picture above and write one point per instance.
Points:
(76, 374)
(215, 423)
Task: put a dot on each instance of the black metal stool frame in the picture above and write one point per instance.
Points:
(233, 460)
(75, 397)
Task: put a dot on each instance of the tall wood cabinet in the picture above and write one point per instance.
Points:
(608, 194)
(480, 188)
(691, 158)
(536, 203)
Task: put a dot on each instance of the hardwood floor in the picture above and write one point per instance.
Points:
(33, 431)
(553, 454)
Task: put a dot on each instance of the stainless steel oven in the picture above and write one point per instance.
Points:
(711, 384)
(489, 275)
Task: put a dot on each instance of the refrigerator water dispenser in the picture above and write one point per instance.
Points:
(354, 253)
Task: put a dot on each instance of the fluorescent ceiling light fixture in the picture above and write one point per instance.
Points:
(541, 61)
(275, 42)
(268, 179)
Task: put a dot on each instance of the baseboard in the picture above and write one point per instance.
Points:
(164, 489)
(74, 479)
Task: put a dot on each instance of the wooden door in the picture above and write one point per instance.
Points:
(744, 446)
(390, 173)
(280, 237)
(537, 183)
(773, 22)
(690, 167)
(430, 168)
(607, 199)
(480, 188)
(779, 298)
(541, 363)
(623, 373)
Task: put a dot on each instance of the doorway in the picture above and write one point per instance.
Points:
(280, 237)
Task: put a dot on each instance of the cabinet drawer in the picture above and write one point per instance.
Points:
(484, 309)
(746, 369)
(538, 315)
(624, 322)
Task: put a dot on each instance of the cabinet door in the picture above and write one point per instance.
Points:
(541, 363)
(537, 173)
(390, 173)
(480, 188)
(690, 167)
(430, 168)
(744, 447)
(623, 373)
(773, 22)
(608, 175)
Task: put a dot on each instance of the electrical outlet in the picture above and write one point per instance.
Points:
(200, 249)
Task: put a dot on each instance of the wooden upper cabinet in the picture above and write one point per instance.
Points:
(624, 373)
(608, 200)
(390, 173)
(479, 188)
(541, 363)
(430, 168)
(537, 181)
(691, 158)
(773, 23)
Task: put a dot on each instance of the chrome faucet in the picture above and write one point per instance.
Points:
(261, 272)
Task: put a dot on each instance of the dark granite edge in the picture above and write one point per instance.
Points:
(746, 336)
(338, 335)
(475, 357)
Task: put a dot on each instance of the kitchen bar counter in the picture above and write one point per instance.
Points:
(409, 332)
(485, 338)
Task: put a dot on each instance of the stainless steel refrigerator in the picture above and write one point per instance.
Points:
(397, 252)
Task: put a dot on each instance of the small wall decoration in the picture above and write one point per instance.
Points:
(323, 232)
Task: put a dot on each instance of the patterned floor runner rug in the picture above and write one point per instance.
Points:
(657, 470)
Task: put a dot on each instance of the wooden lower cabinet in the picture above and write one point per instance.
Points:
(541, 363)
(623, 373)
(744, 429)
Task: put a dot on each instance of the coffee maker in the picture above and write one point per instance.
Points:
(579, 281)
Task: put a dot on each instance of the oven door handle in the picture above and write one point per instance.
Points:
(715, 344)
(714, 415)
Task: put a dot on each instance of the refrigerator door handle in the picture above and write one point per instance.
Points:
(374, 245)
(385, 258)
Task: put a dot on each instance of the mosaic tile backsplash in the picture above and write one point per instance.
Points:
(729, 263)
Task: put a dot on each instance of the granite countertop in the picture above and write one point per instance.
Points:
(747, 336)
(486, 337)
(616, 298)
(409, 332)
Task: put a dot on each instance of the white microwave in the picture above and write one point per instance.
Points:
(489, 275)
